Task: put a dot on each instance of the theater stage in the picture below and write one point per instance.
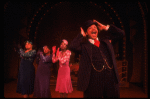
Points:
(132, 92)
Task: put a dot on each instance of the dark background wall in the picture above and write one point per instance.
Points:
(47, 23)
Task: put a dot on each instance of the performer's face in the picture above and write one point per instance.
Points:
(28, 45)
(63, 46)
(92, 32)
(46, 50)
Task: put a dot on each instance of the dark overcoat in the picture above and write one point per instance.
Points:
(85, 50)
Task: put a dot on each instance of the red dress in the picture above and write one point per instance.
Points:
(63, 84)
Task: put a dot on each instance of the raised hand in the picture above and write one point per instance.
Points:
(101, 26)
(54, 49)
(57, 53)
(82, 32)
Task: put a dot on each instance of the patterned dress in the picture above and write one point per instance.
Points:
(26, 73)
(63, 84)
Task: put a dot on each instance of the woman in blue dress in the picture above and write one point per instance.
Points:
(26, 75)
(42, 77)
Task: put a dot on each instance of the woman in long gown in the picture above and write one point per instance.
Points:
(63, 85)
(42, 77)
(25, 84)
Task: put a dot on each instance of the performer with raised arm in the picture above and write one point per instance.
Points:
(98, 74)
(42, 77)
(63, 85)
(26, 75)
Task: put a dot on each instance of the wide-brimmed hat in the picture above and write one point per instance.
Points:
(88, 24)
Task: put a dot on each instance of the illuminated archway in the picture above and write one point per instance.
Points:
(44, 9)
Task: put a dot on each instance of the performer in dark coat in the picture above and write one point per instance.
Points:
(26, 74)
(98, 74)
(42, 77)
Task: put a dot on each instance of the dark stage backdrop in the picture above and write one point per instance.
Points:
(64, 21)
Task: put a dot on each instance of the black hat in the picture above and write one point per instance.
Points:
(87, 24)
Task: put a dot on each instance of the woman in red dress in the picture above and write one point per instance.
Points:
(63, 85)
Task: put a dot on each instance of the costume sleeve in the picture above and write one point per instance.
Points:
(54, 58)
(30, 54)
(114, 33)
(46, 59)
(75, 45)
(66, 58)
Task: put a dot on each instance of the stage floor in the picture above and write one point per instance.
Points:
(131, 92)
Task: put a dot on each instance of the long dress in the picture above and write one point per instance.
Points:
(63, 84)
(26, 74)
(42, 77)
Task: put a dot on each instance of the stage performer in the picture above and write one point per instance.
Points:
(63, 84)
(26, 74)
(98, 74)
(42, 77)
